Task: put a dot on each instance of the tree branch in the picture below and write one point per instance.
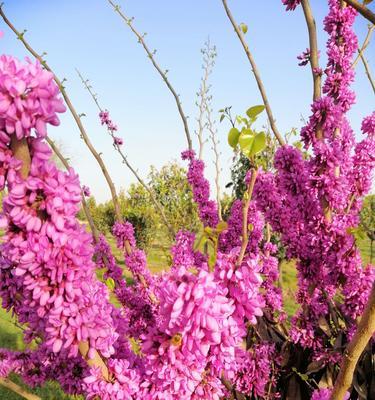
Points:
(365, 330)
(17, 389)
(215, 147)
(362, 9)
(314, 52)
(76, 117)
(125, 160)
(162, 73)
(208, 63)
(364, 45)
(367, 69)
(256, 74)
(21, 152)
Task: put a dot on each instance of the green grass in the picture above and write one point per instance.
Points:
(11, 338)
(158, 260)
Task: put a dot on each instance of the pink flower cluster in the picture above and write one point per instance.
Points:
(254, 370)
(291, 5)
(45, 247)
(28, 99)
(201, 190)
(36, 367)
(111, 126)
(313, 202)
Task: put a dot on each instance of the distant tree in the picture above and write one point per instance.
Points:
(368, 221)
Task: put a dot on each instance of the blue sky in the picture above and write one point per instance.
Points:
(88, 35)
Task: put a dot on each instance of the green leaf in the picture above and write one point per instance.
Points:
(221, 226)
(246, 140)
(110, 283)
(208, 230)
(243, 28)
(358, 232)
(222, 116)
(259, 143)
(304, 377)
(254, 111)
(233, 137)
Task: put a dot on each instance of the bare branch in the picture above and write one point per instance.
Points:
(209, 54)
(368, 72)
(355, 348)
(256, 74)
(362, 9)
(215, 147)
(73, 112)
(314, 52)
(162, 73)
(364, 45)
(125, 160)
(17, 389)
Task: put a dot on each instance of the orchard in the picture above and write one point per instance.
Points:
(214, 324)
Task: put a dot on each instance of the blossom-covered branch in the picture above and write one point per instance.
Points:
(86, 210)
(163, 74)
(256, 74)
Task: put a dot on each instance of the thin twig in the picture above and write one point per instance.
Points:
(7, 383)
(256, 74)
(362, 9)
(355, 348)
(86, 210)
(364, 45)
(314, 52)
(209, 55)
(368, 72)
(76, 117)
(245, 212)
(215, 147)
(163, 74)
(125, 160)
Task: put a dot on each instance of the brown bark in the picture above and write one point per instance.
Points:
(314, 54)
(365, 330)
(362, 9)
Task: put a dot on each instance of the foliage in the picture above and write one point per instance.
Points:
(367, 218)
(170, 188)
